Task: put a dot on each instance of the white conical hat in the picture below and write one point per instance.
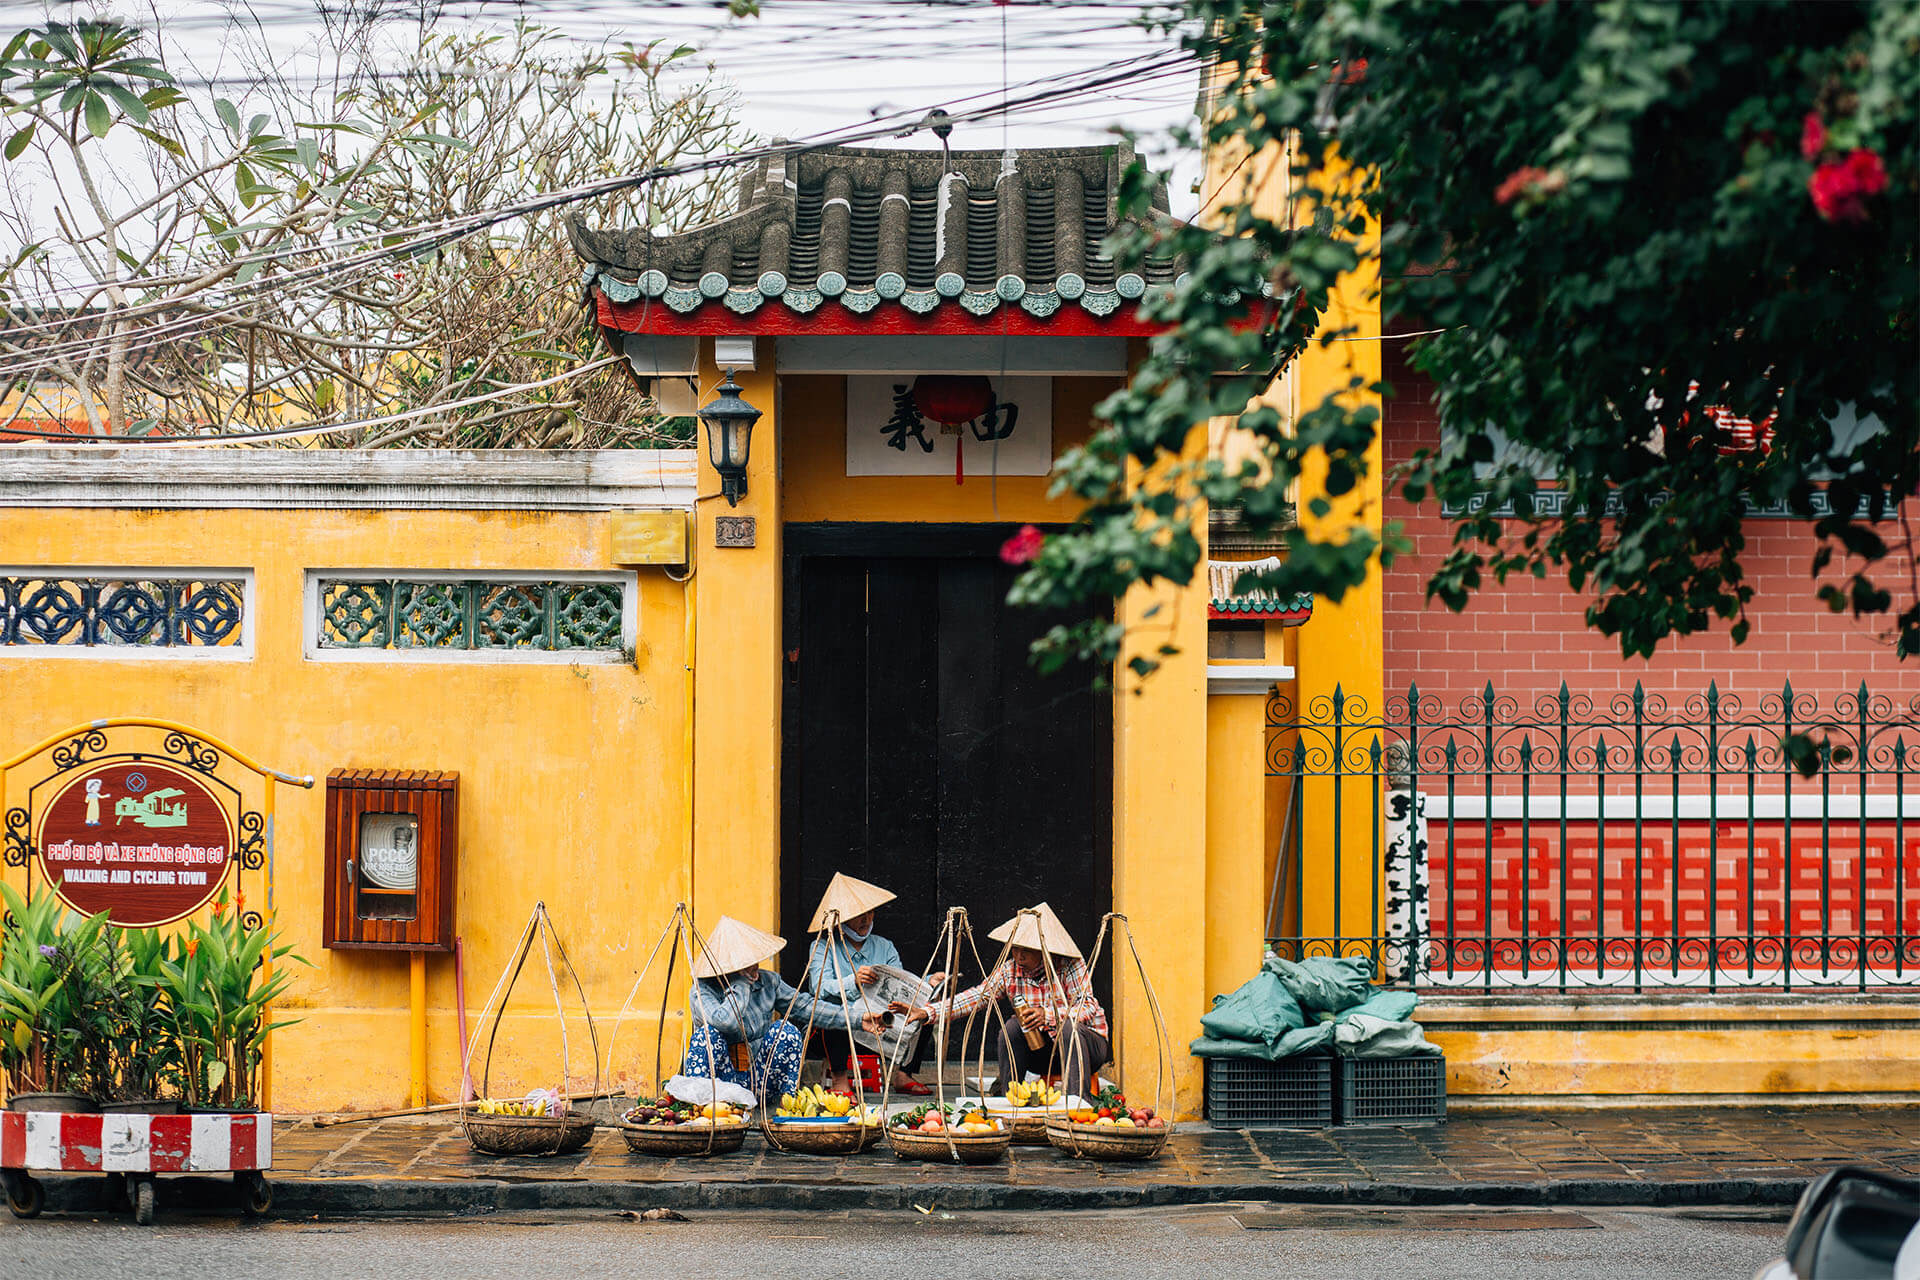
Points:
(1027, 930)
(732, 946)
(849, 897)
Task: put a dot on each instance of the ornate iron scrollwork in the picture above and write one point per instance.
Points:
(191, 751)
(252, 920)
(252, 851)
(16, 848)
(79, 749)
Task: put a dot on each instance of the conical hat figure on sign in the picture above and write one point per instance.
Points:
(848, 898)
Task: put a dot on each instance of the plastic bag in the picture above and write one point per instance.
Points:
(1364, 1036)
(1261, 1009)
(1389, 1006)
(1324, 984)
(699, 1091)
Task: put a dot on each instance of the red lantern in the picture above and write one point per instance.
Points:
(952, 399)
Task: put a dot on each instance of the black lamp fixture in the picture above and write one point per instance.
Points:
(730, 422)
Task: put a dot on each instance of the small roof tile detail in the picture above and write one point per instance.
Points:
(923, 229)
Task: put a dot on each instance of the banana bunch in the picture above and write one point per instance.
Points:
(1037, 1094)
(815, 1101)
(495, 1107)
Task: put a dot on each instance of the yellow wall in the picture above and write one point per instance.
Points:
(569, 775)
(816, 487)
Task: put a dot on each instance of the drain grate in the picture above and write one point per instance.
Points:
(1345, 1219)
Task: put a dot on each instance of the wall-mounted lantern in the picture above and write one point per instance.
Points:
(729, 421)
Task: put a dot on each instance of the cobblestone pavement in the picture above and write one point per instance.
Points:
(1620, 1149)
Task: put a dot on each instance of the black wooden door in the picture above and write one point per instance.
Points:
(923, 752)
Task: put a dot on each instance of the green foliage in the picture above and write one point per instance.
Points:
(135, 1013)
(1607, 211)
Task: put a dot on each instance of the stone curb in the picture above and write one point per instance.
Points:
(295, 1197)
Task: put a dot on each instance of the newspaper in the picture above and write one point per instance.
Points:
(896, 1041)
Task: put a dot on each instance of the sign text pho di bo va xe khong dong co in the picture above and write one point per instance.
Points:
(144, 841)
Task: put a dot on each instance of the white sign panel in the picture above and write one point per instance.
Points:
(895, 425)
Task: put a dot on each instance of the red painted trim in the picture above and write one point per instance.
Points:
(241, 1154)
(775, 320)
(1277, 615)
(80, 1142)
(170, 1143)
(13, 1139)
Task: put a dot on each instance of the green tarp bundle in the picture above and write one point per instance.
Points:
(1311, 1005)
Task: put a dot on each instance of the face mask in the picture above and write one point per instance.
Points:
(858, 937)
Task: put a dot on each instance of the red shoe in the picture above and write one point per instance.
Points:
(913, 1089)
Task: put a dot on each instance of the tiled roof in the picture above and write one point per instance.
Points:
(917, 229)
(1227, 599)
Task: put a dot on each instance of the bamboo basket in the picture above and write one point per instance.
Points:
(529, 1135)
(824, 1139)
(683, 1139)
(973, 1148)
(1027, 1124)
(1105, 1141)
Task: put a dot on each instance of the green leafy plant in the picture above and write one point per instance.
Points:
(143, 1058)
(216, 1001)
(55, 1026)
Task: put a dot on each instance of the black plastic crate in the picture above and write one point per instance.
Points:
(1409, 1090)
(1293, 1093)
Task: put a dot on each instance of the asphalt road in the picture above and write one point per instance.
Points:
(1241, 1243)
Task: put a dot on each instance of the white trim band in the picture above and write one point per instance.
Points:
(446, 479)
(1252, 678)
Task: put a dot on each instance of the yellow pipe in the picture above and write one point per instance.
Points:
(266, 964)
(417, 1032)
(119, 722)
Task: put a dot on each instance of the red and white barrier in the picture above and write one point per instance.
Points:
(92, 1142)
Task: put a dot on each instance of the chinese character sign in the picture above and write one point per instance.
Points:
(146, 842)
(959, 425)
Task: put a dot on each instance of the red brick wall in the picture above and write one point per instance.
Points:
(1529, 635)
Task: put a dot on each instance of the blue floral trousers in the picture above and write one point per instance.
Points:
(776, 1059)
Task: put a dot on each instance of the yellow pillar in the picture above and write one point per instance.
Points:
(736, 678)
(417, 1030)
(1236, 838)
(1342, 646)
(1159, 831)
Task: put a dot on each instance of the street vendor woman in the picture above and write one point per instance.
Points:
(846, 956)
(1071, 1033)
(738, 1005)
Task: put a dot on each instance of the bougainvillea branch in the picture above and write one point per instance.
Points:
(1629, 224)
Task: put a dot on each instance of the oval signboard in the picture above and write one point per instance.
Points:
(145, 842)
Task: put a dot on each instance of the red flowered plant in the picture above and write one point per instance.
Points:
(1023, 546)
(1529, 180)
(1813, 136)
(1840, 187)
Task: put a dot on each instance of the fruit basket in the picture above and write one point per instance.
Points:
(963, 1135)
(669, 1127)
(817, 1122)
(1028, 1107)
(544, 1123)
(502, 1134)
(1108, 1129)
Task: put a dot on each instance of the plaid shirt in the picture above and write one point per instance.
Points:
(1009, 980)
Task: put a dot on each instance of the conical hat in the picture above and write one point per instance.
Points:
(733, 946)
(848, 896)
(1026, 931)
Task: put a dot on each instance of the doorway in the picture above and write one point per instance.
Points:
(923, 751)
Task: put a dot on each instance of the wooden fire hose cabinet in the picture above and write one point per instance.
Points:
(392, 848)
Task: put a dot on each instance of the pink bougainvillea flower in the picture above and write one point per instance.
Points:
(1022, 546)
(1813, 135)
(1527, 180)
(1840, 188)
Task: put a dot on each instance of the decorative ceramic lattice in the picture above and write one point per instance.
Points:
(98, 612)
(470, 615)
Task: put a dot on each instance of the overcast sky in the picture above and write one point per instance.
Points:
(810, 66)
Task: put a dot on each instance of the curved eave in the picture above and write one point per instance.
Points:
(655, 308)
(778, 318)
(1252, 609)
